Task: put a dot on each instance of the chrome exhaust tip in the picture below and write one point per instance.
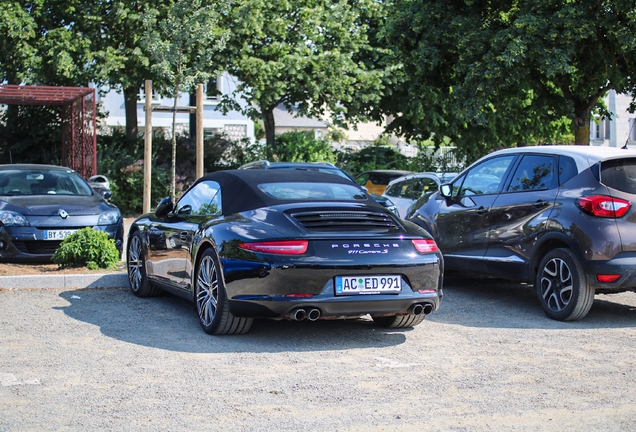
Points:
(298, 314)
(313, 314)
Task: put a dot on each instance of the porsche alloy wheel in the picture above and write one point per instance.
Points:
(137, 277)
(211, 300)
(398, 321)
(562, 287)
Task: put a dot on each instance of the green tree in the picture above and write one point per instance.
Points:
(300, 53)
(17, 38)
(116, 29)
(488, 73)
(183, 45)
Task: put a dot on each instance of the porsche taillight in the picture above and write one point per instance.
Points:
(425, 245)
(604, 206)
(284, 247)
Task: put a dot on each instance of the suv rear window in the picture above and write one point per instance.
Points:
(619, 174)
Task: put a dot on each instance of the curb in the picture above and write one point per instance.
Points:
(104, 280)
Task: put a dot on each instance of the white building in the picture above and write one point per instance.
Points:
(620, 129)
(234, 124)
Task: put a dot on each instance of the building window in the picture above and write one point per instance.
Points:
(213, 89)
(156, 98)
(607, 122)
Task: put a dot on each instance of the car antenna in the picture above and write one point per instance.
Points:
(628, 135)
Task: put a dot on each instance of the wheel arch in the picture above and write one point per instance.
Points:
(550, 242)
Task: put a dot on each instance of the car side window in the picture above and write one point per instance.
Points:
(427, 186)
(567, 169)
(362, 179)
(202, 199)
(534, 172)
(402, 189)
(485, 178)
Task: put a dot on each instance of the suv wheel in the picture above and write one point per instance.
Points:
(562, 286)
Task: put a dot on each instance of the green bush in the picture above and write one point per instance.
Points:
(300, 146)
(372, 158)
(87, 248)
(122, 162)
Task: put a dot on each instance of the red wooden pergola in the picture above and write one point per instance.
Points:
(79, 126)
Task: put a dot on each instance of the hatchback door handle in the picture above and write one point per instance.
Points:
(540, 203)
(481, 210)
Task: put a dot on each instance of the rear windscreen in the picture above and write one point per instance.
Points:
(619, 174)
(312, 191)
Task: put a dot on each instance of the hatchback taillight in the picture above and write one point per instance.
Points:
(604, 206)
(285, 247)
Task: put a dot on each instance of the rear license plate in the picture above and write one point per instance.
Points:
(57, 234)
(377, 284)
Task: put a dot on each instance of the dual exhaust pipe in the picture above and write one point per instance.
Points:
(421, 308)
(312, 314)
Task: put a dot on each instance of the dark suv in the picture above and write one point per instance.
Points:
(558, 216)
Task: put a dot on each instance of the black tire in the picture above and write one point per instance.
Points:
(562, 286)
(398, 321)
(211, 301)
(136, 261)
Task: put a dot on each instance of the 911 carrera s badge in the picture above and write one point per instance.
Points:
(62, 213)
(365, 248)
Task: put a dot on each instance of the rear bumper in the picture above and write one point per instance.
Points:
(623, 264)
(272, 294)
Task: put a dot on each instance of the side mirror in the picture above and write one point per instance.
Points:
(446, 190)
(165, 206)
(106, 194)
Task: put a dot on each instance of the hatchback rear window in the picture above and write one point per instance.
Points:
(619, 174)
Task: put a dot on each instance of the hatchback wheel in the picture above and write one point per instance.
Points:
(211, 300)
(139, 283)
(562, 286)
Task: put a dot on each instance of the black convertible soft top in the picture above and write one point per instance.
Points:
(240, 190)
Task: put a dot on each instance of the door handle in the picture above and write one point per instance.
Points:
(540, 203)
(481, 210)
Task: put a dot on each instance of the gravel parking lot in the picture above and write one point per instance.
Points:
(487, 360)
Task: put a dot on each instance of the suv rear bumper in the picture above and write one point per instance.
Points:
(623, 264)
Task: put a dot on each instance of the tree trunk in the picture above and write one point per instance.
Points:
(581, 125)
(131, 95)
(270, 126)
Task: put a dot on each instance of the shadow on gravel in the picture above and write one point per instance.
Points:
(170, 323)
(478, 301)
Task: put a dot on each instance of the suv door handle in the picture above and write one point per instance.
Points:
(540, 203)
(481, 210)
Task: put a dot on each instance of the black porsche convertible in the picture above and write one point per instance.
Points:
(282, 244)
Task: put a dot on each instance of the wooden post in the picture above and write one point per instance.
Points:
(199, 142)
(148, 148)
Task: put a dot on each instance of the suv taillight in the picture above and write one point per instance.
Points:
(604, 206)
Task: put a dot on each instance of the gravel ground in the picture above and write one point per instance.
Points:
(487, 360)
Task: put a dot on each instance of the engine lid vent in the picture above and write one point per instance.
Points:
(345, 221)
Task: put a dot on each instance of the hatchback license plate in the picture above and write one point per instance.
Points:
(377, 284)
(57, 234)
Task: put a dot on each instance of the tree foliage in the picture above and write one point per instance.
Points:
(491, 73)
(183, 46)
(299, 53)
